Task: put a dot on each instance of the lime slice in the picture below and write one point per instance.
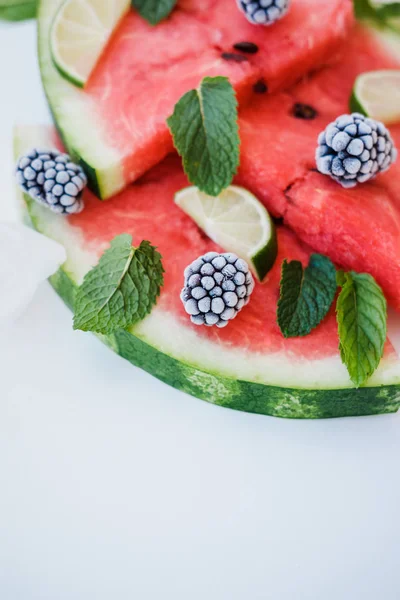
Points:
(377, 95)
(235, 220)
(80, 32)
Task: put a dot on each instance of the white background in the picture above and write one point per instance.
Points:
(114, 486)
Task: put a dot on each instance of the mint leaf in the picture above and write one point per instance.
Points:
(389, 14)
(306, 295)
(121, 289)
(362, 316)
(205, 131)
(364, 10)
(380, 14)
(18, 12)
(154, 11)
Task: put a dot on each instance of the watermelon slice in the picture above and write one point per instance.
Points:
(359, 228)
(117, 127)
(246, 366)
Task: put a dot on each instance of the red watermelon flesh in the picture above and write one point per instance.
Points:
(137, 94)
(358, 228)
(147, 211)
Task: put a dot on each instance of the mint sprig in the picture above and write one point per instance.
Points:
(362, 322)
(154, 11)
(121, 290)
(205, 131)
(306, 295)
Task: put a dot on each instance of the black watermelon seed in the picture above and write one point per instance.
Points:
(304, 111)
(246, 47)
(260, 87)
(235, 57)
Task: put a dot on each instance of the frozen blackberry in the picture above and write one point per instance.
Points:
(52, 179)
(264, 12)
(217, 286)
(354, 149)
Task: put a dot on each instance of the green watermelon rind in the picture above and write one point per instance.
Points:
(240, 395)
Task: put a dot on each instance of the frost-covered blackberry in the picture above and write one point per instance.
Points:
(354, 149)
(217, 286)
(264, 12)
(52, 179)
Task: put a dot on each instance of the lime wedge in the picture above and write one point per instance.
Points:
(235, 220)
(377, 95)
(80, 32)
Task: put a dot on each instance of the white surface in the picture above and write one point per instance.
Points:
(114, 486)
(27, 258)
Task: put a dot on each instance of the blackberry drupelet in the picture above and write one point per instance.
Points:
(354, 149)
(264, 12)
(52, 179)
(217, 286)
